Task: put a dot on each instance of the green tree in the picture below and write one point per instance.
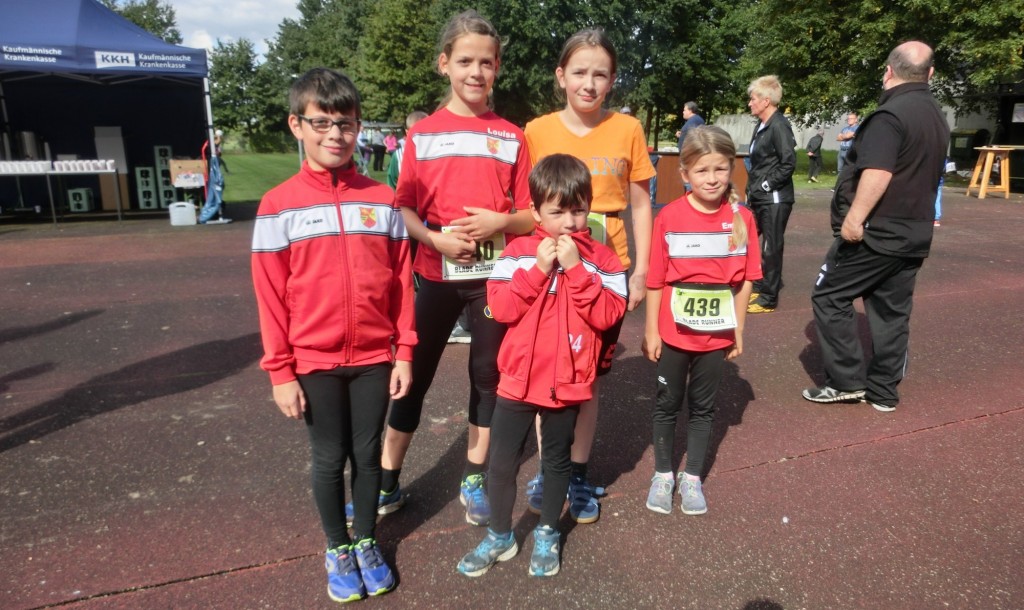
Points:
(233, 81)
(831, 60)
(153, 16)
(394, 67)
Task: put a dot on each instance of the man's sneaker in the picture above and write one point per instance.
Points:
(344, 583)
(937, 223)
(377, 576)
(535, 494)
(826, 394)
(659, 499)
(759, 308)
(583, 506)
(753, 297)
(884, 408)
(493, 549)
(544, 561)
(460, 335)
(474, 498)
(692, 495)
(387, 503)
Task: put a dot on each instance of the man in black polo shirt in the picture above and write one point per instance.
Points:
(882, 215)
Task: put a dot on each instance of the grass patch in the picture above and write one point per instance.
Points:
(251, 174)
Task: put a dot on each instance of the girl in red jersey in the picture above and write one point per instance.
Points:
(701, 273)
(464, 175)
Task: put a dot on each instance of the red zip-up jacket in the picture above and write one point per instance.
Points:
(331, 268)
(549, 355)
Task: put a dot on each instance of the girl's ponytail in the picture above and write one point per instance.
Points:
(738, 239)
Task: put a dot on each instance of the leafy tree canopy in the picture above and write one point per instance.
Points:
(151, 15)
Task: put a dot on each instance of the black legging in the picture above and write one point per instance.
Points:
(702, 371)
(345, 409)
(513, 423)
(378, 157)
(438, 305)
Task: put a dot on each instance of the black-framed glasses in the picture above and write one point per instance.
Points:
(323, 124)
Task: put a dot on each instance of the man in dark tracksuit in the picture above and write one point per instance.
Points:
(770, 187)
(882, 216)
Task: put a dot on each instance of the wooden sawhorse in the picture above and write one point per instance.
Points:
(983, 171)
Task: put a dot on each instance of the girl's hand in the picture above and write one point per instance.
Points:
(546, 254)
(290, 399)
(651, 346)
(736, 349)
(481, 223)
(456, 245)
(401, 379)
(637, 290)
(567, 252)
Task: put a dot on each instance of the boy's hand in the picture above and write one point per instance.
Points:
(456, 245)
(651, 346)
(567, 251)
(546, 254)
(401, 379)
(290, 399)
(481, 223)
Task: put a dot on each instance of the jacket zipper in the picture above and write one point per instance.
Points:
(346, 272)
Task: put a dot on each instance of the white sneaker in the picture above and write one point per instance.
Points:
(459, 335)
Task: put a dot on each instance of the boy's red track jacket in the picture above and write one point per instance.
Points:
(549, 355)
(331, 268)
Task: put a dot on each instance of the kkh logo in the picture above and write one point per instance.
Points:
(114, 59)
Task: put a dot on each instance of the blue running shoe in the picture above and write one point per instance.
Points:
(544, 561)
(692, 495)
(535, 494)
(387, 503)
(494, 548)
(377, 576)
(583, 506)
(344, 583)
(474, 498)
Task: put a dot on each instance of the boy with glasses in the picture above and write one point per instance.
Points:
(333, 283)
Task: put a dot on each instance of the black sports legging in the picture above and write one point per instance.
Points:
(513, 424)
(702, 372)
(345, 409)
(438, 305)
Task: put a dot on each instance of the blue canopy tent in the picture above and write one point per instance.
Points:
(67, 66)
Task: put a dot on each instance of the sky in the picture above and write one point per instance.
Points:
(203, 22)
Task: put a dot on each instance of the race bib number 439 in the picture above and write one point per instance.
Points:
(487, 252)
(704, 309)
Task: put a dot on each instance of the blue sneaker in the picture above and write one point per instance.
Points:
(544, 561)
(583, 506)
(535, 494)
(692, 495)
(494, 548)
(344, 583)
(474, 498)
(387, 503)
(377, 576)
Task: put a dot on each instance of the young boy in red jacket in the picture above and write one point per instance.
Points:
(557, 290)
(331, 268)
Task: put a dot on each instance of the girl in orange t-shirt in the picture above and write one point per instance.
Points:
(614, 148)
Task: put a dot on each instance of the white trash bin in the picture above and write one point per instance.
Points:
(183, 214)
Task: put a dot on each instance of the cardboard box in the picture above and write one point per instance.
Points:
(188, 173)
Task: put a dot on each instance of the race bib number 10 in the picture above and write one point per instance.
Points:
(704, 309)
(487, 252)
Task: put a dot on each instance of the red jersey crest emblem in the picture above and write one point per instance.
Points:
(368, 216)
(493, 145)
